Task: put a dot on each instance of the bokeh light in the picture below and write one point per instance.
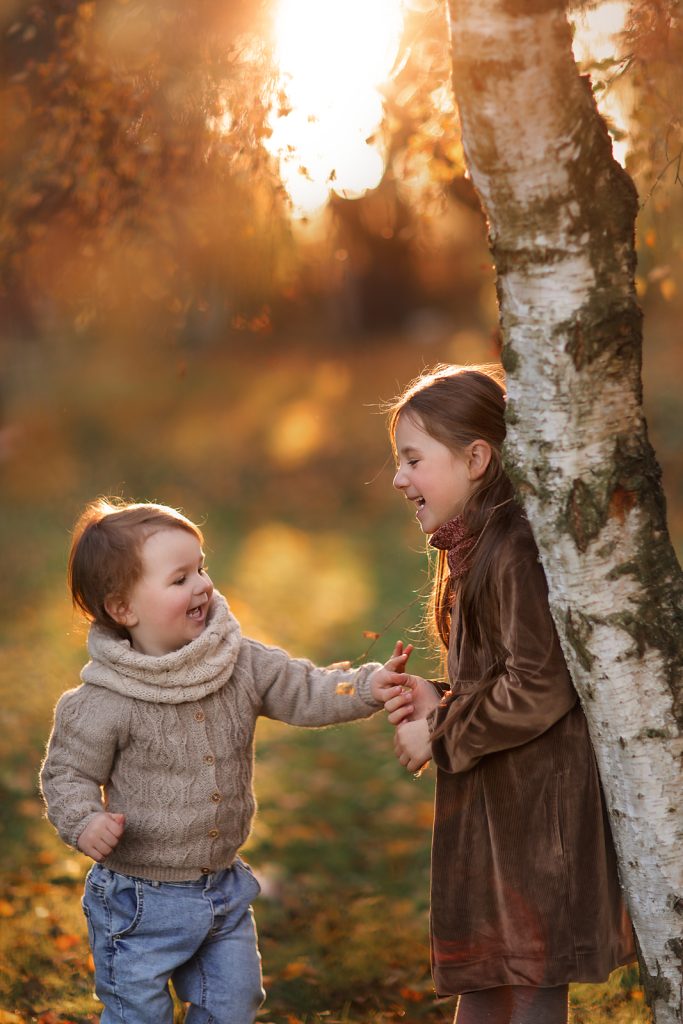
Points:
(326, 125)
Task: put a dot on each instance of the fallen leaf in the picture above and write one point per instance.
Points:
(411, 995)
(346, 687)
(296, 969)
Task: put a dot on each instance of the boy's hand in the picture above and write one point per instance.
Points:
(101, 835)
(389, 680)
(412, 745)
(412, 704)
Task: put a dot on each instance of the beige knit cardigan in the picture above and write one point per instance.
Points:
(169, 742)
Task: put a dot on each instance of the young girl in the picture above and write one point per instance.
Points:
(525, 893)
(149, 765)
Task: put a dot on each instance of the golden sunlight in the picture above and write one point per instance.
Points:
(326, 129)
(596, 41)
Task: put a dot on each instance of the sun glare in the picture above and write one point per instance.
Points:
(326, 128)
(595, 40)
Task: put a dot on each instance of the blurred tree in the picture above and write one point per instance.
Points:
(134, 185)
(561, 217)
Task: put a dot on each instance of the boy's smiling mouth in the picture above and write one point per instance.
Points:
(197, 612)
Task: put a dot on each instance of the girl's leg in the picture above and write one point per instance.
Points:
(514, 1004)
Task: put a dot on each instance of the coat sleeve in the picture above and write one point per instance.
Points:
(296, 691)
(532, 693)
(79, 760)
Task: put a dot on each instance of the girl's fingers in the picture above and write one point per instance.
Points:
(399, 698)
(400, 715)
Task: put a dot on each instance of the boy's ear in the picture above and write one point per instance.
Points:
(479, 459)
(120, 611)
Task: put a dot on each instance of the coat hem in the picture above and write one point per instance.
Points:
(539, 972)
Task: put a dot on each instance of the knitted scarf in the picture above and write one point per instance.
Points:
(455, 539)
(190, 673)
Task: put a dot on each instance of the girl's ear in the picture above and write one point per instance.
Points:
(120, 611)
(478, 459)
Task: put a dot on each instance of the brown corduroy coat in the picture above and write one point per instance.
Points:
(524, 878)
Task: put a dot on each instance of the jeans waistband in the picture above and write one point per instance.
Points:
(201, 882)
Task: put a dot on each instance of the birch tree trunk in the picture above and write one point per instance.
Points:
(561, 216)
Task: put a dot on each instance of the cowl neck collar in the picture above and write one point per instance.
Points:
(190, 673)
(456, 540)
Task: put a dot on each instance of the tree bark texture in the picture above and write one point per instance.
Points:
(561, 215)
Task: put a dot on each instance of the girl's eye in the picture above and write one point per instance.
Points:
(179, 581)
(413, 462)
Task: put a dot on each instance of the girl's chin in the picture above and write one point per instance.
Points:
(427, 526)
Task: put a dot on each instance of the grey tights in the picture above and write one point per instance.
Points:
(513, 1004)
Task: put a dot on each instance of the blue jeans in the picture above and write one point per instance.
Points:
(199, 934)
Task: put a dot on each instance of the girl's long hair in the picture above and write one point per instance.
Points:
(457, 405)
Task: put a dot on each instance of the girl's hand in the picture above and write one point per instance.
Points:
(389, 680)
(412, 746)
(101, 835)
(413, 703)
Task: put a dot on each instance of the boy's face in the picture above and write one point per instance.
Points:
(167, 607)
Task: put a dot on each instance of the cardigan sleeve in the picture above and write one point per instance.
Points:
(532, 692)
(80, 756)
(296, 691)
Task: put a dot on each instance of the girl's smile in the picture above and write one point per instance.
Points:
(438, 480)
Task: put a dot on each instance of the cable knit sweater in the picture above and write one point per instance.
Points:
(168, 741)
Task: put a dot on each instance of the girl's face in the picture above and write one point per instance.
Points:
(437, 479)
(166, 608)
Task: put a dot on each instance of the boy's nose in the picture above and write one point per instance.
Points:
(399, 482)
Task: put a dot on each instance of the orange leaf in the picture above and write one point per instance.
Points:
(296, 970)
(411, 995)
(346, 687)
(6, 909)
(369, 635)
(65, 942)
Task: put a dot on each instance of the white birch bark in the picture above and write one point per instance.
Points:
(561, 218)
